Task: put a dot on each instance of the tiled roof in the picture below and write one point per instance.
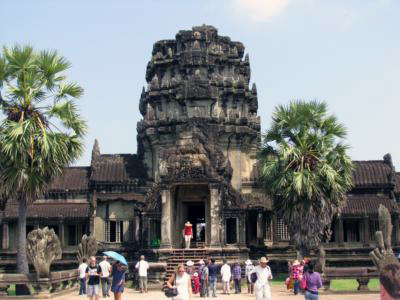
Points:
(118, 168)
(371, 174)
(397, 186)
(50, 210)
(72, 179)
(369, 204)
(120, 196)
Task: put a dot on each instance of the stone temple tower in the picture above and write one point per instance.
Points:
(199, 136)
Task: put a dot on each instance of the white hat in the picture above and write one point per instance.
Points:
(189, 263)
(263, 259)
(296, 263)
(195, 274)
(201, 262)
(188, 223)
(248, 262)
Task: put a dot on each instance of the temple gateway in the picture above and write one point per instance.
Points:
(196, 161)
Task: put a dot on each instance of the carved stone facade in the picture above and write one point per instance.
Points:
(196, 161)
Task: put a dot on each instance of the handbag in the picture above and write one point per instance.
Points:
(253, 277)
(171, 292)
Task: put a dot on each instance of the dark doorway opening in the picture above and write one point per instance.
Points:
(231, 232)
(196, 216)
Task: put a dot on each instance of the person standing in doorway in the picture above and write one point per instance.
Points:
(142, 266)
(93, 273)
(82, 277)
(226, 277)
(212, 275)
(264, 274)
(187, 234)
(105, 277)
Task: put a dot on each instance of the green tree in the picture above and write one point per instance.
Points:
(305, 170)
(40, 132)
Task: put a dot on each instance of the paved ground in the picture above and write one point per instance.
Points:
(278, 293)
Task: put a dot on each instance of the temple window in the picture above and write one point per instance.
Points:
(72, 235)
(231, 230)
(282, 231)
(114, 231)
(268, 228)
(351, 230)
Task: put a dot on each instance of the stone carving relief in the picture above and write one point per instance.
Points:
(43, 246)
(86, 248)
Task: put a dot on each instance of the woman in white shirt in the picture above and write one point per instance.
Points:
(181, 280)
(264, 274)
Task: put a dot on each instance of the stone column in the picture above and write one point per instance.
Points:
(61, 233)
(166, 218)
(137, 228)
(396, 226)
(273, 228)
(260, 236)
(366, 235)
(242, 230)
(6, 242)
(215, 207)
(341, 232)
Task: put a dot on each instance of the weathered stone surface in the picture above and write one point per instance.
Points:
(43, 246)
(86, 248)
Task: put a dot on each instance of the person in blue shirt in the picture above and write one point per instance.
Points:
(212, 276)
(118, 279)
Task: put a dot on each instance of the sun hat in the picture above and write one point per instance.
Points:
(201, 262)
(195, 274)
(263, 259)
(189, 263)
(248, 262)
(188, 223)
(296, 263)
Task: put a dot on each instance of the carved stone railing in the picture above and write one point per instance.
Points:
(361, 274)
(44, 288)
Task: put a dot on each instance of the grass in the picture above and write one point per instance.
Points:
(336, 285)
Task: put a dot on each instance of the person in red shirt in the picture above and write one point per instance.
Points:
(187, 234)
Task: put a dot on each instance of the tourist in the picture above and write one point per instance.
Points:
(226, 277)
(237, 277)
(203, 271)
(105, 277)
(190, 271)
(196, 283)
(249, 269)
(93, 273)
(118, 280)
(313, 283)
(142, 266)
(264, 274)
(82, 276)
(212, 276)
(181, 280)
(389, 278)
(187, 234)
(296, 276)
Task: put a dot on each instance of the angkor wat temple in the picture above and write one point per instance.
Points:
(196, 160)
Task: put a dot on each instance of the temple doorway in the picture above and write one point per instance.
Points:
(191, 204)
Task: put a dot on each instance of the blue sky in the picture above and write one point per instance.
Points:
(346, 53)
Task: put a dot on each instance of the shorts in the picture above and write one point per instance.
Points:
(118, 288)
(92, 290)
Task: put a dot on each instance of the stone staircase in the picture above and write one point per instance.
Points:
(181, 256)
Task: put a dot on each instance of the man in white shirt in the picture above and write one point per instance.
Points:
(82, 277)
(142, 266)
(226, 277)
(105, 278)
(264, 274)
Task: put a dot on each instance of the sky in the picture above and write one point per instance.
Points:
(343, 52)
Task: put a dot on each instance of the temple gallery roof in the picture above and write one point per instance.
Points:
(368, 204)
(73, 179)
(372, 174)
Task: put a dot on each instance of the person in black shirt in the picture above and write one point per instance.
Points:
(212, 276)
(93, 273)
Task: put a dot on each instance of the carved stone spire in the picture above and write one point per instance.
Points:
(254, 89)
(95, 152)
(246, 58)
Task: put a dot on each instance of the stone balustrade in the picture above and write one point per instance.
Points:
(361, 274)
(44, 288)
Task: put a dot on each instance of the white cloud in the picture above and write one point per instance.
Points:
(260, 10)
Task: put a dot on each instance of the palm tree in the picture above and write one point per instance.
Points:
(41, 131)
(305, 170)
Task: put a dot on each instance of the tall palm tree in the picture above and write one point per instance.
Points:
(41, 131)
(306, 170)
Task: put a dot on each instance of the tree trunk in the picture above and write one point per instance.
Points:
(22, 260)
